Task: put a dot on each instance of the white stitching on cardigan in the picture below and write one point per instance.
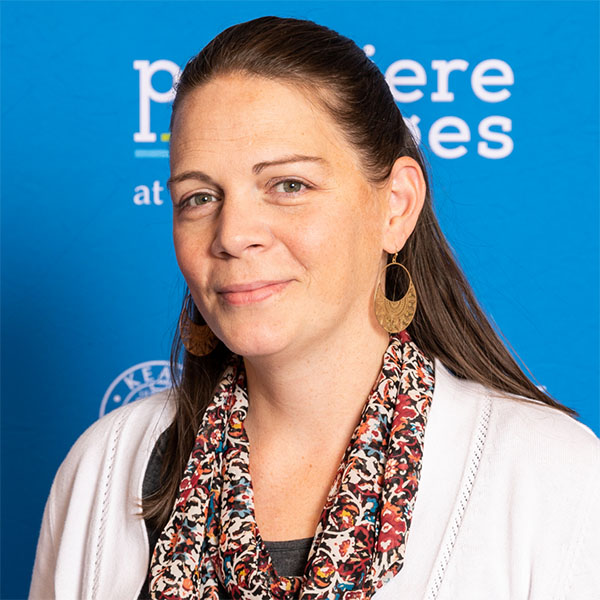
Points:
(459, 510)
(102, 527)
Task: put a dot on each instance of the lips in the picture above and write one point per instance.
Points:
(248, 293)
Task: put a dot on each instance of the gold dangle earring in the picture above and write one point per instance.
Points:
(198, 340)
(395, 315)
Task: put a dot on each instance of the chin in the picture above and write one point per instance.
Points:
(256, 340)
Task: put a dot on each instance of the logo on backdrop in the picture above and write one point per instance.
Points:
(450, 136)
(138, 381)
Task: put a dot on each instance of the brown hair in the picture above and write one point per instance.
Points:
(333, 71)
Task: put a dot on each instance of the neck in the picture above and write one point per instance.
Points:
(313, 399)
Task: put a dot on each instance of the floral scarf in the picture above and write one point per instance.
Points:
(212, 539)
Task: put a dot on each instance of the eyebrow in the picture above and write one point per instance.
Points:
(256, 169)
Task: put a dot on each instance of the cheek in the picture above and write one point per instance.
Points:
(189, 251)
(312, 239)
(322, 247)
(331, 243)
(358, 249)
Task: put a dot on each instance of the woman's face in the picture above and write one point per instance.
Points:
(277, 232)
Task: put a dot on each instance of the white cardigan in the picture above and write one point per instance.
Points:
(508, 505)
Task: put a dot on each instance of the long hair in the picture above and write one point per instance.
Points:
(333, 71)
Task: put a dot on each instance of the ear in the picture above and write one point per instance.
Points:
(405, 191)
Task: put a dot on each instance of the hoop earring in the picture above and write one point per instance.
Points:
(198, 340)
(395, 315)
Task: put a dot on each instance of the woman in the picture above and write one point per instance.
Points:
(347, 423)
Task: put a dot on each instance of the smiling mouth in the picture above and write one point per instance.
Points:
(250, 293)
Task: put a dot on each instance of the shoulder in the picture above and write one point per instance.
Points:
(539, 425)
(524, 437)
(133, 428)
(110, 455)
(546, 451)
(94, 501)
(534, 476)
(517, 417)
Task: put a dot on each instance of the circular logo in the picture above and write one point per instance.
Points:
(139, 381)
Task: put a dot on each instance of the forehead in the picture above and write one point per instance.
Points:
(243, 116)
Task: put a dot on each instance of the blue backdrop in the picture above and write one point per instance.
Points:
(503, 95)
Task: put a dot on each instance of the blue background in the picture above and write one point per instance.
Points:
(90, 286)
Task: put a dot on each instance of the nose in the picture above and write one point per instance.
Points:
(242, 227)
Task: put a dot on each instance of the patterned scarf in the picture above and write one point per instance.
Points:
(212, 539)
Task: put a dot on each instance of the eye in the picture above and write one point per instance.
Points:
(291, 186)
(197, 199)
